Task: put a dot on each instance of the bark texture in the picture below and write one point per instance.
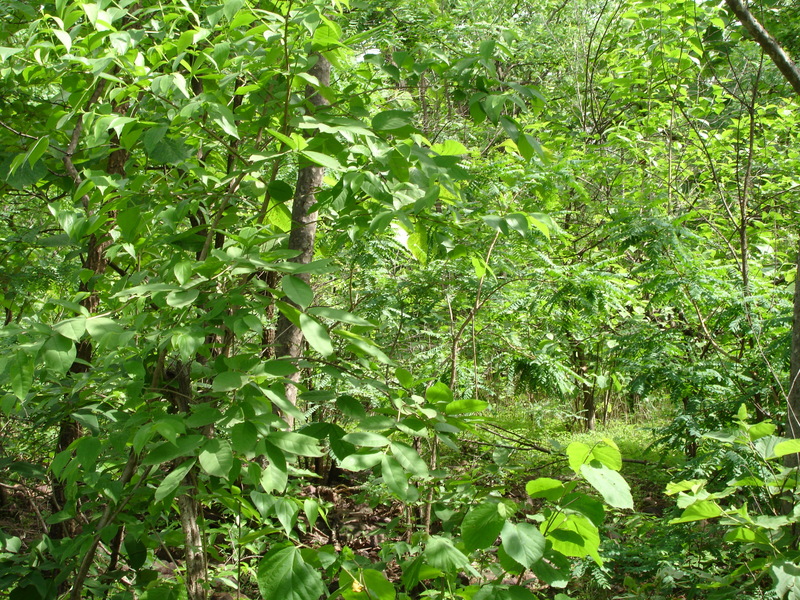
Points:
(288, 336)
(790, 71)
(768, 43)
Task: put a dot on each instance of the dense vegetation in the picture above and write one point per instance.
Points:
(398, 299)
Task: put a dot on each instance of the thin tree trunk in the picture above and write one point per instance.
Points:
(195, 557)
(792, 75)
(793, 397)
(288, 336)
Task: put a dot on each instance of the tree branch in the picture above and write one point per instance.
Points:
(768, 43)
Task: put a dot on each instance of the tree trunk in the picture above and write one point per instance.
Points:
(792, 74)
(793, 396)
(195, 558)
(288, 336)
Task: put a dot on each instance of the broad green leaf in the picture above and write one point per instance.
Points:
(231, 7)
(283, 574)
(460, 407)
(181, 298)
(6, 52)
(787, 447)
(171, 482)
(573, 535)
(322, 159)
(361, 345)
(316, 335)
(216, 457)
(361, 461)
(187, 342)
(297, 290)
(545, 487)
(73, 328)
(351, 407)
(699, 511)
(59, 353)
(481, 526)
(614, 489)
(585, 505)
(296, 443)
(228, 381)
(578, 453)
(554, 569)
(166, 451)
(366, 438)
(21, 374)
(339, 315)
(396, 480)
(106, 331)
(523, 542)
(183, 271)
(786, 576)
(405, 377)
(223, 117)
(378, 587)
(608, 454)
(440, 553)
(439, 393)
(410, 459)
(286, 509)
(276, 475)
(38, 149)
(397, 122)
(244, 437)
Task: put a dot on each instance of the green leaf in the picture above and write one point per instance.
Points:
(397, 122)
(323, 160)
(614, 489)
(378, 587)
(396, 480)
(699, 511)
(231, 7)
(59, 353)
(223, 117)
(366, 438)
(573, 535)
(460, 407)
(72, 328)
(339, 315)
(786, 576)
(481, 526)
(296, 443)
(545, 487)
(361, 461)
(6, 53)
(410, 459)
(171, 482)
(228, 381)
(283, 574)
(297, 290)
(276, 475)
(439, 393)
(316, 335)
(181, 298)
(166, 451)
(183, 271)
(21, 374)
(787, 447)
(216, 457)
(105, 330)
(523, 542)
(38, 149)
(441, 553)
